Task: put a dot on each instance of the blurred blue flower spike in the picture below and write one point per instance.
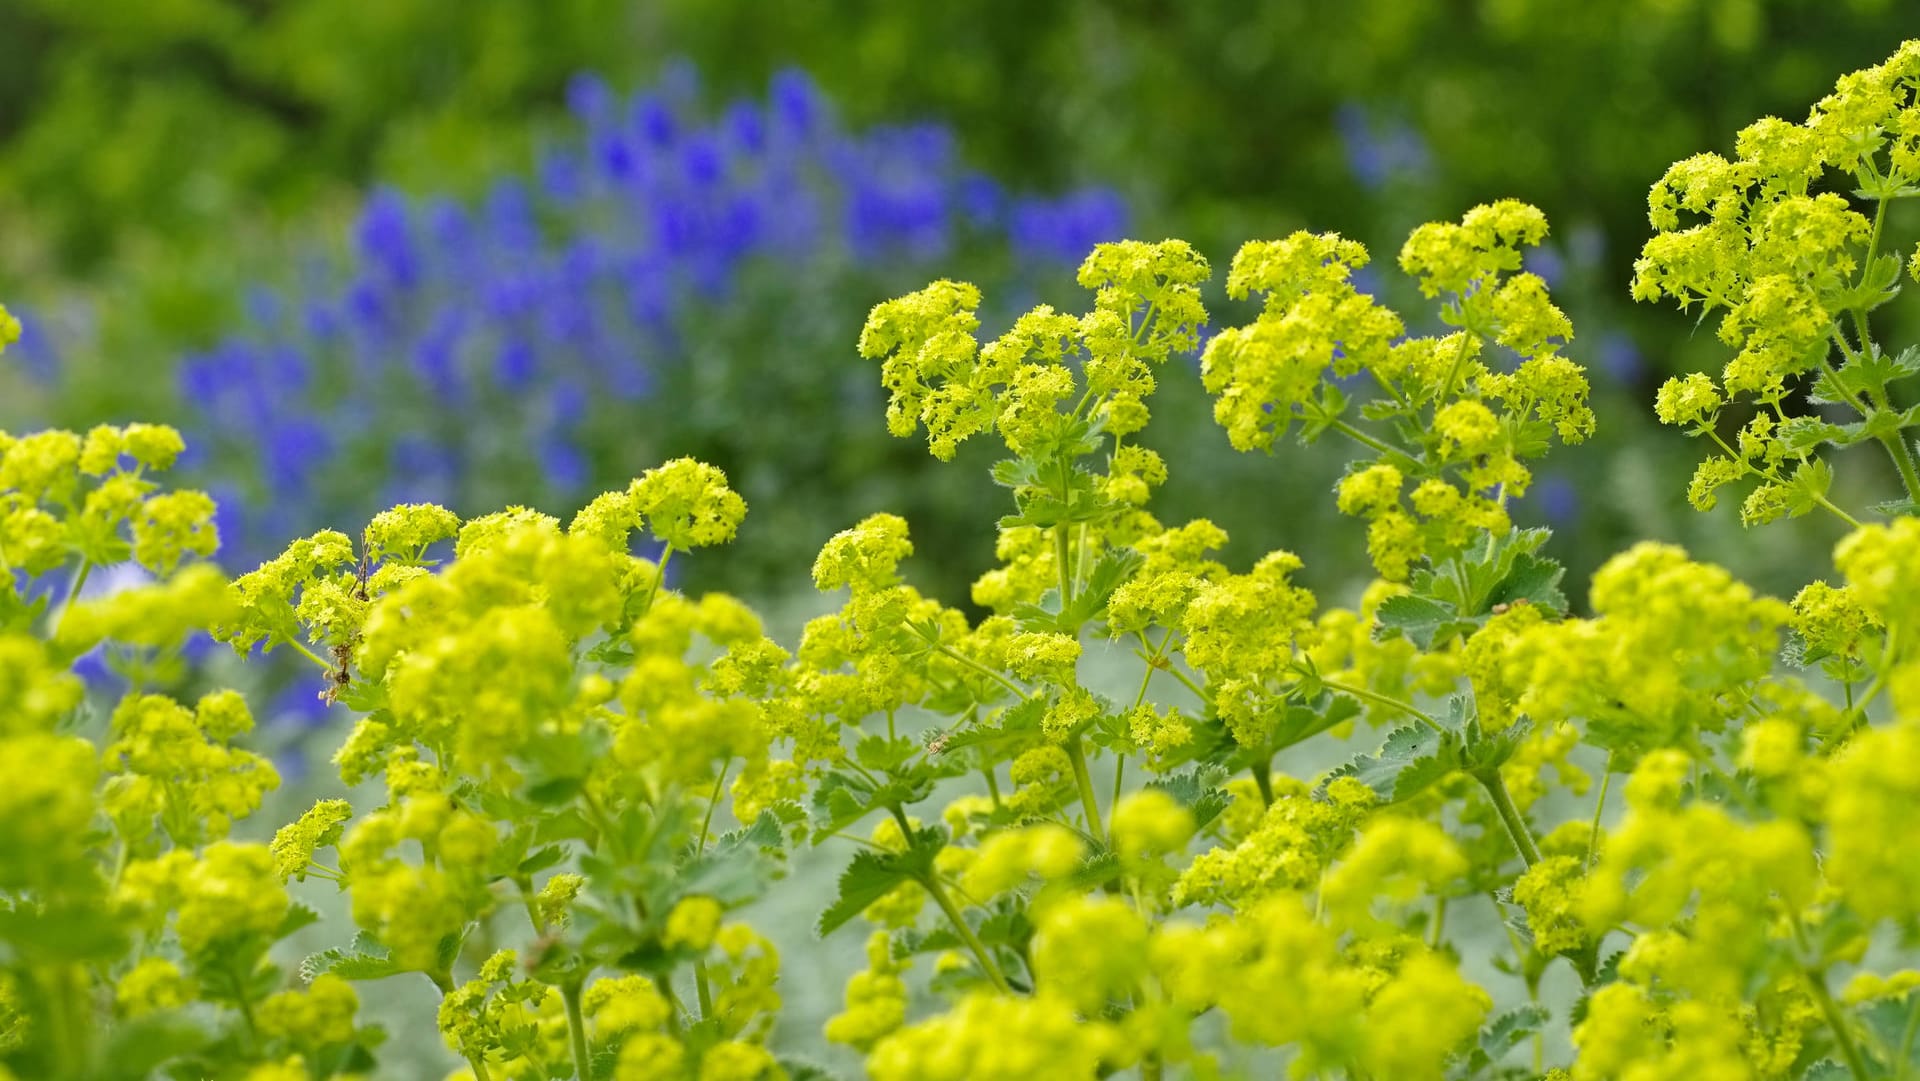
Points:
(463, 352)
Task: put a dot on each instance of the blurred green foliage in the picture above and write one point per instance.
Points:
(150, 126)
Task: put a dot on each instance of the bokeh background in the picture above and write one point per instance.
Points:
(517, 251)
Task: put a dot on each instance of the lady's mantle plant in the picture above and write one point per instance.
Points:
(1053, 882)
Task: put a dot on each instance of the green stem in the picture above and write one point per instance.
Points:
(1189, 684)
(1771, 477)
(1439, 918)
(74, 587)
(1119, 774)
(577, 1031)
(1593, 834)
(948, 651)
(1378, 699)
(1063, 555)
(1263, 779)
(993, 786)
(664, 985)
(1905, 1056)
(67, 1009)
(1459, 361)
(1850, 1051)
(1509, 814)
(1903, 461)
(245, 1005)
(1084, 779)
(309, 654)
(965, 930)
(706, 823)
(1866, 268)
(479, 1067)
(1362, 438)
(659, 579)
(703, 988)
(1858, 709)
(524, 885)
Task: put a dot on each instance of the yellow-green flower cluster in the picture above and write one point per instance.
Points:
(412, 907)
(1293, 844)
(688, 505)
(1457, 459)
(1243, 631)
(876, 998)
(1283, 980)
(1756, 239)
(227, 894)
(173, 767)
(1313, 320)
(1671, 647)
(67, 498)
(296, 842)
(1146, 307)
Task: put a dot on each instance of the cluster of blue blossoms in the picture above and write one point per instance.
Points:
(465, 351)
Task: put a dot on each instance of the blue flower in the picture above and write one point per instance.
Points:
(463, 346)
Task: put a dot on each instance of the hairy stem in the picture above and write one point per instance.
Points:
(577, 1031)
(1078, 756)
(1378, 699)
(1509, 814)
(965, 930)
(950, 652)
(1362, 438)
(1599, 805)
(1063, 555)
(703, 987)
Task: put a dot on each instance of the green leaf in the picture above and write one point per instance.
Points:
(1896, 508)
(364, 959)
(1891, 1025)
(1319, 414)
(1802, 435)
(1419, 619)
(871, 875)
(1298, 723)
(1878, 285)
(541, 858)
(1507, 1030)
(1411, 760)
(298, 916)
(733, 871)
(140, 1046)
(802, 1070)
(1531, 580)
(1017, 473)
(55, 934)
(1198, 790)
(1808, 486)
(1018, 725)
(883, 754)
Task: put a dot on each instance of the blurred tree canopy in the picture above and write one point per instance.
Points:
(123, 121)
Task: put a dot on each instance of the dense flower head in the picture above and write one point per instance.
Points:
(688, 505)
(175, 767)
(1314, 321)
(1795, 272)
(1459, 423)
(1146, 307)
(1481, 247)
(865, 556)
